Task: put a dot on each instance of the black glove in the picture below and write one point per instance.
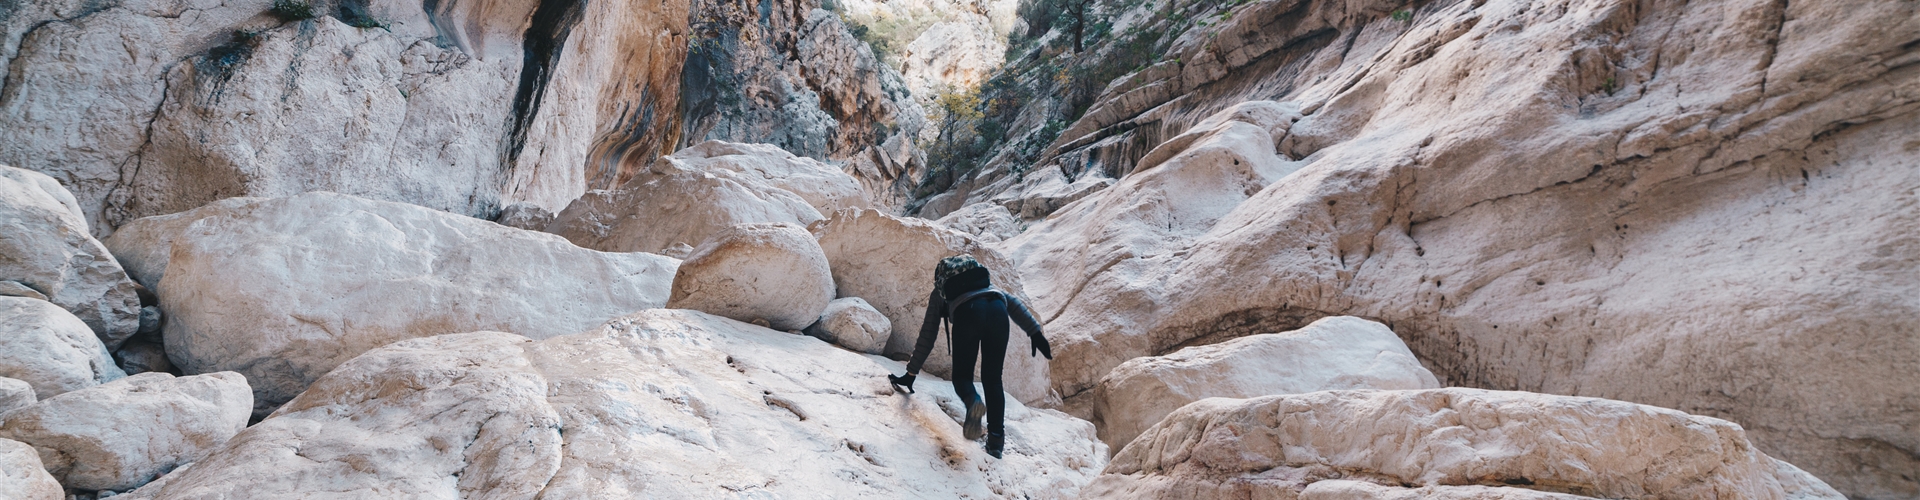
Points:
(1040, 345)
(903, 381)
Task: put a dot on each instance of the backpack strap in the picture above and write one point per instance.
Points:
(954, 305)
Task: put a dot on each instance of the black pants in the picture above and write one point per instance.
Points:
(980, 333)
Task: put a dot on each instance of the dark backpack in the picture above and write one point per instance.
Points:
(953, 270)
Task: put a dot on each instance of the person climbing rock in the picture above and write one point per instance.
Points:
(963, 294)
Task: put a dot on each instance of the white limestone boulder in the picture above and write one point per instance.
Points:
(852, 323)
(1340, 352)
(1280, 445)
(45, 246)
(119, 435)
(50, 349)
(676, 201)
(825, 187)
(144, 245)
(661, 404)
(21, 475)
(15, 394)
(889, 261)
(768, 273)
(989, 222)
(291, 287)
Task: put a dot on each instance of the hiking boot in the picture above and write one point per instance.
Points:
(995, 442)
(975, 411)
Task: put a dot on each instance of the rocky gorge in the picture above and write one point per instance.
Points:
(1290, 249)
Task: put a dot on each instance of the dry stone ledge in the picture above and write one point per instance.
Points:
(676, 201)
(45, 246)
(852, 323)
(119, 435)
(773, 273)
(288, 288)
(50, 349)
(989, 222)
(1340, 352)
(21, 475)
(1280, 445)
(889, 261)
(665, 403)
(15, 394)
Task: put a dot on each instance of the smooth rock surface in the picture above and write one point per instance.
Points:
(988, 222)
(889, 261)
(21, 475)
(852, 323)
(660, 404)
(1277, 445)
(15, 394)
(45, 246)
(289, 288)
(675, 202)
(773, 273)
(119, 435)
(50, 349)
(1340, 352)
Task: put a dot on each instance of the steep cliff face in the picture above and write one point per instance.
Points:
(152, 107)
(788, 73)
(1704, 206)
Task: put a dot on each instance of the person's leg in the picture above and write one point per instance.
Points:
(966, 349)
(993, 355)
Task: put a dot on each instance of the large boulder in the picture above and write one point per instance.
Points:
(45, 246)
(119, 435)
(50, 349)
(889, 261)
(852, 323)
(1275, 446)
(772, 274)
(661, 404)
(288, 288)
(144, 245)
(21, 475)
(1340, 352)
(677, 201)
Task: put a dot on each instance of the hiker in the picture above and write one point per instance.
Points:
(977, 312)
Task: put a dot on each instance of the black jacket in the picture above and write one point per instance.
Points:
(937, 309)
